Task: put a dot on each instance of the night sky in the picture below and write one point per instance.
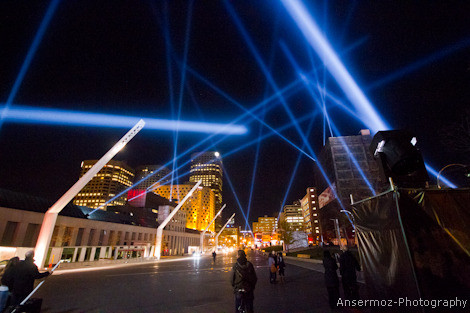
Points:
(411, 59)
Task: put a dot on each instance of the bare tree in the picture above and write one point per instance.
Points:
(456, 135)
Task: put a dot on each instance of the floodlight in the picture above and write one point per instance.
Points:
(399, 158)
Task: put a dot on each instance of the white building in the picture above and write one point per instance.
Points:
(82, 236)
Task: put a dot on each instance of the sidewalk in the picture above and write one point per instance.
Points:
(316, 265)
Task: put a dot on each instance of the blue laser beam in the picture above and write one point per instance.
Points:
(278, 93)
(235, 195)
(263, 114)
(319, 43)
(149, 189)
(441, 178)
(342, 141)
(420, 63)
(294, 172)
(29, 58)
(368, 115)
(331, 125)
(181, 93)
(33, 115)
(266, 73)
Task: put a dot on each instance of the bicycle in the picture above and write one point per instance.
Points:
(241, 294)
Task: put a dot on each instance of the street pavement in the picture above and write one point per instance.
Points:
(181, 285)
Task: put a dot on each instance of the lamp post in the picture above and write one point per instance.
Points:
(449, 165)
(353, 222)
(50, 217)
(338, 234)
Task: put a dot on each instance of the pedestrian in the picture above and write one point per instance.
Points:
(243, 280)
(281, 265)
(7, 280)
(7, 277)
(331, 279)
(214, 255)
(348, 267)
(272, 265)
(24, 274)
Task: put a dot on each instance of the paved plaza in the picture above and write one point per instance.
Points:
(181, 285)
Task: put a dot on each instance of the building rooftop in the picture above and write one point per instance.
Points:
(22, 201)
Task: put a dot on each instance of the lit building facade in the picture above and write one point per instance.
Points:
(199, 208)
(229, 236)
(265, 224)
(292, 215)
(207, 167)
(310, 211)
(111, 180)
(155, 173)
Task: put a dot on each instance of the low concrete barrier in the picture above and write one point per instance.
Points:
(304, 260)
(303, 256)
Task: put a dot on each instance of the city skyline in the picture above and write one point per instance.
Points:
(192, 61)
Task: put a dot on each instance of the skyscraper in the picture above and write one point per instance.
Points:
(207, 166)
(111, 180)
(154, 173)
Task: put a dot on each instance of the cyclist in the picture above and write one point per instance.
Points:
(243, 281)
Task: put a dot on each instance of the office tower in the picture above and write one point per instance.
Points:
(292, 215)
(207, 166)
(153, 174)
(199, 208)
(111, 180)
(310, 211)
(351, 170)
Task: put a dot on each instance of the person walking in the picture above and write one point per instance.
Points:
(7, 276)
(24, 274)
(281, 265)
(243, 280)
(331, 279)
(348, 267)
(272, 265)
(7, 280)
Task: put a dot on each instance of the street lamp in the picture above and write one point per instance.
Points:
(353, 221)
(338, 234)
(467, 167)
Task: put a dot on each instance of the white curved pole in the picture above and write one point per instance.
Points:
(201, 241)
(45, 234)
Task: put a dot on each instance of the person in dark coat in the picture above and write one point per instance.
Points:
(348, 267)
(7, 277)
(281, 266)
(24, 274)
(243, 280)
(331, 279)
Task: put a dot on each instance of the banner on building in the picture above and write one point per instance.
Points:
(327, 196)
